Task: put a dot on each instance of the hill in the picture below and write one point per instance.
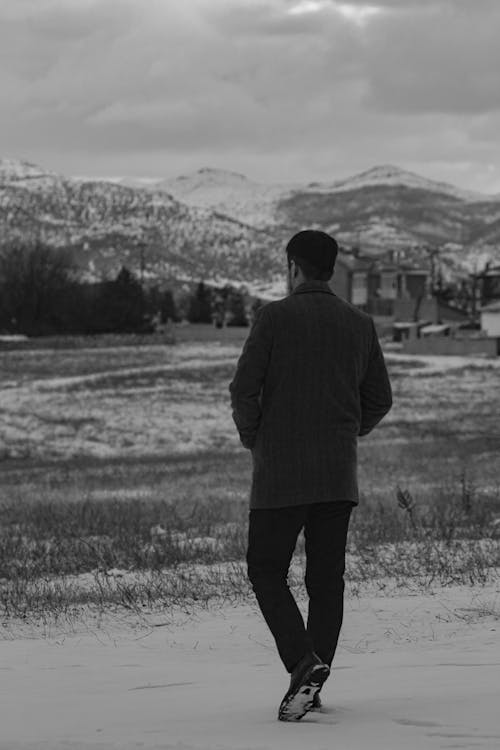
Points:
(221, 226)
(107, 224)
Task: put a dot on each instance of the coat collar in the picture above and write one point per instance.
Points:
(313, 286)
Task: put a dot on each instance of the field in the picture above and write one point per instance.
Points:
(122, 479)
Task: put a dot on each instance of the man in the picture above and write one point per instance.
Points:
(311, 378)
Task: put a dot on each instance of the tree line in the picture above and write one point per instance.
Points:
(42, 293)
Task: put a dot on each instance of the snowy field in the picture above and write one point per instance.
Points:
(411, 671)
(146, 406)
(167, 400)
(118, 404)
(416, 667)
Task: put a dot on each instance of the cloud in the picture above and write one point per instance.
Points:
(184, 79)
(446, 60)
(295, 82)
(404, 6)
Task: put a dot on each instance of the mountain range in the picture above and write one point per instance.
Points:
(222, 227)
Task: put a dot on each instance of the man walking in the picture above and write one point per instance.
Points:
(311, 378)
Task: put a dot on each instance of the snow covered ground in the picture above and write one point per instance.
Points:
(174, 405)
(441, 363)
(411, 671)
(125, 410)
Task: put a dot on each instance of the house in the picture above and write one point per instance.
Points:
(485, 287)
(490, 286)
(350, 278)
(408, 288)
(380, 286)
(490, 319)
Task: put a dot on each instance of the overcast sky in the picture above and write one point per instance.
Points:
(281, 90)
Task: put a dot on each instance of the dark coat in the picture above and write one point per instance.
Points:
(311, 378)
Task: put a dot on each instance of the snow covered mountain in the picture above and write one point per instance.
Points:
(23, 173)
(384, 207)
(230, 193)
(220, 190)
(215, 224)
(107, 224)
(388, 174)
(388, 207)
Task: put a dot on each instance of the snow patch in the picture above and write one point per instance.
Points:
(413, 670)
(13, 170)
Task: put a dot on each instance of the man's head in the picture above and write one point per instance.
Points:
(314, 253)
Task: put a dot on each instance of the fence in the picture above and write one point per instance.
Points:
(485, 346)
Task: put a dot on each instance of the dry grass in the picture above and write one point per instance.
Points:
(101, 463)
(57, 552)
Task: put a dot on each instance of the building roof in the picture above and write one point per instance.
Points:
(405, 265)
(366, 263)
(354, 263)
(492, 307)
(435, 328)
(493, 271)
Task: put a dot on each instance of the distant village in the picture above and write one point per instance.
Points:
(411, 301)
(404, 291)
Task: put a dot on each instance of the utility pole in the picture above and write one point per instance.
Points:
(142, 246)
(474, 292)
(432, 252)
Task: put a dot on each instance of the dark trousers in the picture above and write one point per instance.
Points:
(272, 536)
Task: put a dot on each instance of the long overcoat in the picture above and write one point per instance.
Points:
(311, 379)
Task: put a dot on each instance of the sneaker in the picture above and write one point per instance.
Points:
(306, 681)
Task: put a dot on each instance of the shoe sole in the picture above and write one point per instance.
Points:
(295, 706)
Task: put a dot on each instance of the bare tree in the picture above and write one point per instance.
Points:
(36, 282)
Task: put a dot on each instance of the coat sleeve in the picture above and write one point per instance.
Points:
(375, 388)
(245, 388)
